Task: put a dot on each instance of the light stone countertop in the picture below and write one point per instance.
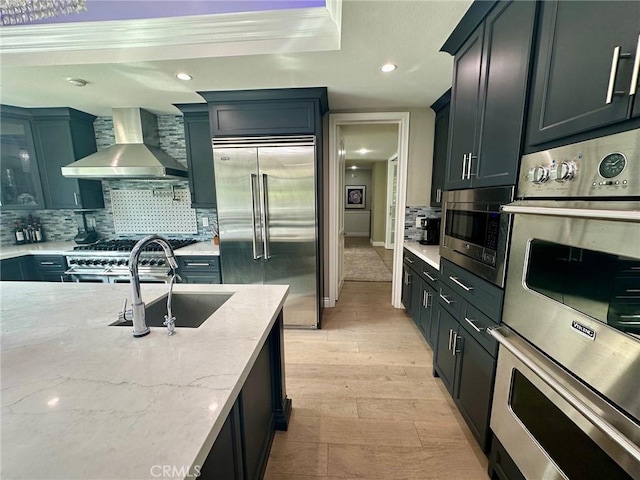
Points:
(84, 400)
(45, 248)
(428, 253)
(62, 248)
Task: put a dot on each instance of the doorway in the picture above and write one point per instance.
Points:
(337, 192)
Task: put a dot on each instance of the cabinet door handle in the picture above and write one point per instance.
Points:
(470, 157)
(446, 299)
(454, 348)
(424, 299)
(429, 277)
(464, 166)
(195, 264)
(614, 73)
(450, 339)
(75, 197)
(429, 297)
(47, 263)
(409, 260)
(473, 325)
(458, 282)
(636, 70)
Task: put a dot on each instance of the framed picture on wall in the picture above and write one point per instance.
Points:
(355, 196)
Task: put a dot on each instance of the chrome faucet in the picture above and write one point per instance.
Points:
(140, 328)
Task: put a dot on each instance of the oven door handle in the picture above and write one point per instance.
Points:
(625, 215)
(605, 427)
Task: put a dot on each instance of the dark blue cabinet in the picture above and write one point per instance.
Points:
(573, 90)
(64, 135)
(197, 133)
(20, 185)
(199, 269)
(441, 107)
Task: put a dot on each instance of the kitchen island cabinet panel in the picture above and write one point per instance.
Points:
(576, 47)
(199, 269)
(17, 269)
(64, 135)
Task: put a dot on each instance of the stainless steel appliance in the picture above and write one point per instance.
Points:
(430, 234)
(268, 219)
(568, 376)
(475, 235)
(107, 261)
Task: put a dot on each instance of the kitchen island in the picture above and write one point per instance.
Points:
(82, 399)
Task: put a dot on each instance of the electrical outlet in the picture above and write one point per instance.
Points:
(205, 221)
(419, 221)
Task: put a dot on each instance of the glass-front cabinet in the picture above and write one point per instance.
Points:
(20, 186)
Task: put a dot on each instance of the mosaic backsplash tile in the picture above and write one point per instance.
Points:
(411, 232)
(61, 225)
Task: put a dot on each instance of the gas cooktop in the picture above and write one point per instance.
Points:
(127, 244)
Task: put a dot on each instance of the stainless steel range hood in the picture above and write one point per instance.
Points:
(136, 153)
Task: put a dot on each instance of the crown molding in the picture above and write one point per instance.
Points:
(220, 35)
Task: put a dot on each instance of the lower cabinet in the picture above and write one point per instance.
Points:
(465, 355)
(419, 281)
(49, 268)
(501, 465)
(17, 269)
(199, 269)
(242, 447)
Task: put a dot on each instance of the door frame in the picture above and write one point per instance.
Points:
(387, 221)
(336, 120)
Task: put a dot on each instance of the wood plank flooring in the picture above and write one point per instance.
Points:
(365, 404)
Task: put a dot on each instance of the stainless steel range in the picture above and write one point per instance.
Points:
(107, 261)
(567, 392)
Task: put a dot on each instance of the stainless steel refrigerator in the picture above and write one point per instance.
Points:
(267, 219)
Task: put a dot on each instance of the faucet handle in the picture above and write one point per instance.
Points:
(122, 315)
(170, 323)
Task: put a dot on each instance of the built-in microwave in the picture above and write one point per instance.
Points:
(475, 235)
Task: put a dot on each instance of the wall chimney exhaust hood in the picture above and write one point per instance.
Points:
(136, 154)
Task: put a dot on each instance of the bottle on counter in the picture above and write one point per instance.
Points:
(18, 233)
(39, 233)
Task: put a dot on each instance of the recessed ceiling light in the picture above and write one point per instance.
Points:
(363, 151)
(184, 76)
(388, 67)
(78, 82)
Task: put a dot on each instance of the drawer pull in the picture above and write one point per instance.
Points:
(409, 260)
(196, 264)
(458, 282)
(446, 299)
(47, 263)
(429, 276)
(473, 325)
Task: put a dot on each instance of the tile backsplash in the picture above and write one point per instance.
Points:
(411, 232)
(61, 225)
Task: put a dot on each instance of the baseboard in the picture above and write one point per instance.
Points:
(327, 303)
(377, 244)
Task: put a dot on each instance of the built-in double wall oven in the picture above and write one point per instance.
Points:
(567, 392)
(475, 235)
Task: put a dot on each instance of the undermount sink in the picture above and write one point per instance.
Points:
(190, 309)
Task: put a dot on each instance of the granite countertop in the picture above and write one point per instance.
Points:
(81, 399)
(428, 253)
(62, 248)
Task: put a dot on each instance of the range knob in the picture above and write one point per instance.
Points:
(122, 262)
(73, 261)
(539, 174)
(161, 261)
(144, 262)
(81, 262)
(152, 261)
(565, 171)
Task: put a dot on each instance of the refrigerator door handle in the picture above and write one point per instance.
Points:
(253, 187)
(265, 217)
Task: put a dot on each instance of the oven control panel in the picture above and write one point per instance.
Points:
(603, 167)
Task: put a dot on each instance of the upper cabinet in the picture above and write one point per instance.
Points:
(20, 186)
(586, 69)
(491, 71)
(440, 144)
(62, 136)
(273, 112)
(197, 134)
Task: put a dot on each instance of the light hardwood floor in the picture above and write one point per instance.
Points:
(365, 404)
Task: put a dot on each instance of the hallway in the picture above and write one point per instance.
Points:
(365, 404)
(366, 263)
